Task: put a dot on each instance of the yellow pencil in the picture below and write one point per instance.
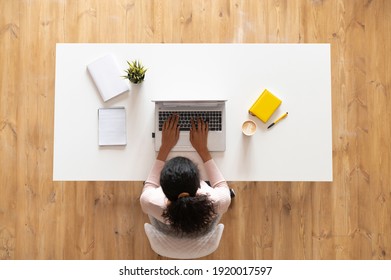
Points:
(277, 120)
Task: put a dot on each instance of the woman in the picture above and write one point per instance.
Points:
(173, 196)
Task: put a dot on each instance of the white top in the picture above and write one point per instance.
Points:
(299, 148)
(154, 202)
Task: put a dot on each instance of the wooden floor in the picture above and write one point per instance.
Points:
(349, 218)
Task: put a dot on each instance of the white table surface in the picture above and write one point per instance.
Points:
(299, 148)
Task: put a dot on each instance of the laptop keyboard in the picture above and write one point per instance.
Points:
(213, 118)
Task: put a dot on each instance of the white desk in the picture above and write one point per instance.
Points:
(299, 148)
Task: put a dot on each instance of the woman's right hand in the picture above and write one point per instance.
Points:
(199, 138)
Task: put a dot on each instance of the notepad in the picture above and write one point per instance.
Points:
(106, 74)
(112, 126)
(264, 107)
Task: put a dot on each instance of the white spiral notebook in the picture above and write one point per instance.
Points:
(112, 126)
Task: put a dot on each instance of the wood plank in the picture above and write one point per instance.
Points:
(9, 69)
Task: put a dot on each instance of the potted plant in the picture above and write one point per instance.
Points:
(135, 72)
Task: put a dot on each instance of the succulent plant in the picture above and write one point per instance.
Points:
(135, 72)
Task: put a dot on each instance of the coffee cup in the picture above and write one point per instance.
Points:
(249, 127)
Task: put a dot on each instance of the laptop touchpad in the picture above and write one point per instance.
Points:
(184, 139)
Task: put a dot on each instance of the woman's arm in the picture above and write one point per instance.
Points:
(219, 190)
(152, 199)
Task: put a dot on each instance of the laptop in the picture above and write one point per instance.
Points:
(212, 111)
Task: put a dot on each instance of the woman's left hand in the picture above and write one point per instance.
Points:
(170, 136)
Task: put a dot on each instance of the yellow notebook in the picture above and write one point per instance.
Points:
(265, 106)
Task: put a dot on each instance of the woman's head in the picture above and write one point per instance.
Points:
(179, 175)
(187, 212)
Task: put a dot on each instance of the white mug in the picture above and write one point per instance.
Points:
(249, 127)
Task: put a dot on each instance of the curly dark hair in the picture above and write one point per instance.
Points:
(191, 214)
